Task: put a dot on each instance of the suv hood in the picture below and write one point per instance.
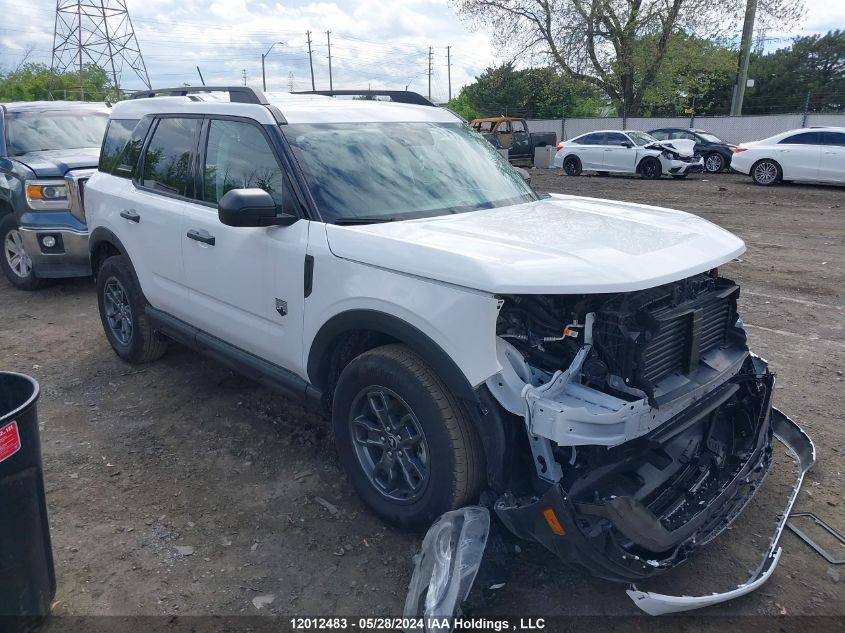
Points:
(559, 245)
(55, 163)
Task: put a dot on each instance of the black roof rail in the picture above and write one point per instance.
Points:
(237, 94)
(399, 96)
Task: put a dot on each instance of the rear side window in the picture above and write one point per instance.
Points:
(118, 133)
(805, 138)
(169, 159)
(591, 139)
(238, 156)
(660, 135)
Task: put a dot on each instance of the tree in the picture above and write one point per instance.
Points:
(33, 82)
(531, 93)
(618, 46)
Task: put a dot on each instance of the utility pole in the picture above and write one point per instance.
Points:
(449, 69)
(430, 54)
(744, 54)
(263, 57)
(310, 60)
(199, 72)
(329, 42)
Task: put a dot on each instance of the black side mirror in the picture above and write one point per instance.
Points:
(627, 144)
(251, 207)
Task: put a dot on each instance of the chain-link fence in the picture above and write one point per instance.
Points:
(733, 129)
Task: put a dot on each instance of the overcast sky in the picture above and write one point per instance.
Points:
(382, 43)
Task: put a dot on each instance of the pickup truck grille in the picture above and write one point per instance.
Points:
(643, 337)
(75, 182)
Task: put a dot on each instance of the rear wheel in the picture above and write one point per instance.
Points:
(766, 172)
(714, 162)
(122, 304)
(572, 166)
(15, 261)
(650, 168)
(603, 174)
(405, 442)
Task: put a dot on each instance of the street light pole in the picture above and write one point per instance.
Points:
(263, 57)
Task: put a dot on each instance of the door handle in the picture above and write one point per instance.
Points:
(609, 149)
(131, 215)
(201, 236)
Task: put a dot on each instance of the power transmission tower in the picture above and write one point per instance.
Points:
(449, 69)
(96, 33)
(310, 60)
(290, 81)
(329, 42)
(430, 54)
(243, 72)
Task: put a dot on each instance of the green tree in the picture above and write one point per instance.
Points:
(34, 82)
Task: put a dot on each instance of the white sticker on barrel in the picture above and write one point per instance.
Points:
(10, 441)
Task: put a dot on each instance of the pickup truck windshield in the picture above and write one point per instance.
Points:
(402, 170)
(44, 131)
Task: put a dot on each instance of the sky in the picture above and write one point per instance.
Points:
(374, 43)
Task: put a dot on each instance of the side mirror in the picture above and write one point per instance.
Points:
(627, 144)
(251, 207)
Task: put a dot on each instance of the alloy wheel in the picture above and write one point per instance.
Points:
(389, 444)
(16, 256)
(765, 173)
(118, 311)
(715, 163)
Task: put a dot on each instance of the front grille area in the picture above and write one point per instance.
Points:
(643, 337)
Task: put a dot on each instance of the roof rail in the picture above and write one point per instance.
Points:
(237, 94)
(399, 96)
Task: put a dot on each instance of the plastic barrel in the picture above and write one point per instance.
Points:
(27, 576)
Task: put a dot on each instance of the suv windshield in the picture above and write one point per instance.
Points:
(59, 130)
(402, 170)
(641, 138)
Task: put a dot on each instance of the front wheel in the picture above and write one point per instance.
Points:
(16, 262)
(650, 168)
(405, 442)
(122, 304)
(572, 166)
(766, 172)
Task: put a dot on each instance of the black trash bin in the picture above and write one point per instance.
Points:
(27, 577)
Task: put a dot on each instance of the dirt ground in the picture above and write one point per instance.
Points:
(181, 488)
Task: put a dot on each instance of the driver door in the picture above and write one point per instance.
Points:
(617, 155)
(246, 283)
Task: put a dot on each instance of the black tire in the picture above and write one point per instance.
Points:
(766, 172)
(16, 263)
(650, 168)
(572, 166)
(603, 174)
(679, 176)
(714, 162)
(416, 481)
(121, 304)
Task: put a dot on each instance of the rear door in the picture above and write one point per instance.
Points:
(590, 149)
(151, 216)
(799, 156)
(246, 283)
(832, 165)
(617, 155)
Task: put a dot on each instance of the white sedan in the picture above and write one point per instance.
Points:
(627, 152)
(807, 154)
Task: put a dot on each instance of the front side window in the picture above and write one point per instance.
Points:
(402, 170)
(169, 159)
(238, 157)
(117, 136)
(518, 126)
(805, 138)
(615, 138)
(641, 138)
(41, 131)
(833, 138)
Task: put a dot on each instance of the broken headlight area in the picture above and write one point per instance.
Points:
(637, 509)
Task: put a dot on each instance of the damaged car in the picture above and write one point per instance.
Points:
(574, 369)
(628, 152)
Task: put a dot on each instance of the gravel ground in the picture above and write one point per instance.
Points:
(181, 488)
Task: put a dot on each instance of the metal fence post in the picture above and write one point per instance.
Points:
(562, 124)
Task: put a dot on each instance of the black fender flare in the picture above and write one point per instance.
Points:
(483, 410)
(99, 236)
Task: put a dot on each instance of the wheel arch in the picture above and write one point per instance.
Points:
(103, 244)
(351, 333)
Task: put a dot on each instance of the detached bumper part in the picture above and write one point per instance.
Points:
(801, 446)
(446, 566)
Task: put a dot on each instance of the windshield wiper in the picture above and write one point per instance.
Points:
(375, 219)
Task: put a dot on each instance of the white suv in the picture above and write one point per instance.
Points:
(580, 360)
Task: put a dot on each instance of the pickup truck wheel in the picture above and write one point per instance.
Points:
(572, 166)
(16, 263)
(650, 168)
(405, 442)
(121, 304)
